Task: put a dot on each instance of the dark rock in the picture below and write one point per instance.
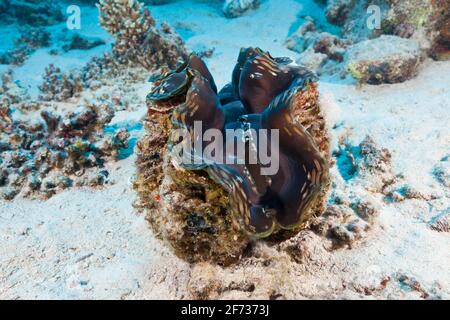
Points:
(235, 8)
(4, 6)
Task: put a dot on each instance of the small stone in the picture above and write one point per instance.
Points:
(64, 182)
(34, 183)
(4, 6)
(3, 177)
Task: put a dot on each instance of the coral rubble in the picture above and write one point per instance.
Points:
(58, 86)
(31, 12)
(16, 56)
(42, 156)
(207, 209)
(427, 20)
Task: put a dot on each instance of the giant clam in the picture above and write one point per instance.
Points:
(211, 208)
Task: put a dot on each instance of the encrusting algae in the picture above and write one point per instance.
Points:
(196, 209)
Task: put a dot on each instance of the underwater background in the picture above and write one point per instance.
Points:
(77, 218)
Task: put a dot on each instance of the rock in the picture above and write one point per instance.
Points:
(316, 48)
(388, 59)
(64, 182)
(374, 159)
(404, 30)
(185, 209)
(235, 8)
(427, 20)
(366, 210)
(441, 48)
(189, 208)
(303, 38)
(34, 38)
(306, 248)
(341, 235)
(16, 56)
(331, 46)
(30, 40)
(412, 284)
(55, 146)
(312, 60)
(35, 12)
(34, 183)
(49, 183)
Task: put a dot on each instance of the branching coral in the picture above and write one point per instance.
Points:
(236, 201)
(30, 40)
(137, 39)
